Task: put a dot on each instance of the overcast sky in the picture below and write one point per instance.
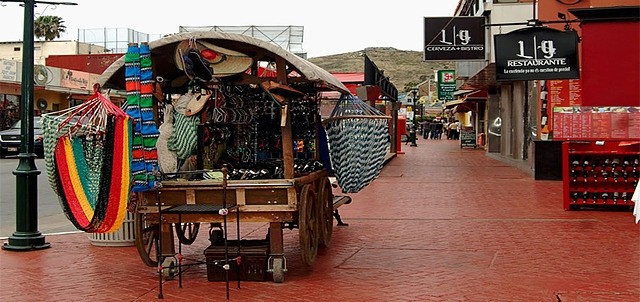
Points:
(330, 26)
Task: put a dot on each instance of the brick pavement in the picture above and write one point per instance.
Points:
(440, 224)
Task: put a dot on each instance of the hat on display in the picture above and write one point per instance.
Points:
(197, 102)
(189, 59)
(225, 62)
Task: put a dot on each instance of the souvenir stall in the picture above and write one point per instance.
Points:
(216, 141)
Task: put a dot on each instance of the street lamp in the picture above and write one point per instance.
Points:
(414, 92)
(27, 237)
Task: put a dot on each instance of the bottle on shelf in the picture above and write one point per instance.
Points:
(574, 197)
(625, 197)
(574, 165)
(544, 133)
(605, 197)
(625, 164)
(615, 197)
(615, 163)
(585, 196)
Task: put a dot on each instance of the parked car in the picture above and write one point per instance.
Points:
(10, 139)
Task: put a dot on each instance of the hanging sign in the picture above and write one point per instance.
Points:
(538, 53)
(446, 84)
(454, 38)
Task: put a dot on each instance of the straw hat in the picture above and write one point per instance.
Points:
(225, 62)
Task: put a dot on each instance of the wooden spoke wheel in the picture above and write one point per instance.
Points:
(146, 239)
(187, 232)
(307, 224)
(325, 212)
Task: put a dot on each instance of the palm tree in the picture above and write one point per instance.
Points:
(48, 27)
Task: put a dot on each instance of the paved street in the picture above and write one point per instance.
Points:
(50, 216)
(441, 223)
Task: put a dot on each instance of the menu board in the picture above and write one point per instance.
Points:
(583, 122)
(468, 138)
(565, 92)
(556, 93)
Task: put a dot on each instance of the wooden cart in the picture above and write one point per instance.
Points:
(297, 200)
(306, 202)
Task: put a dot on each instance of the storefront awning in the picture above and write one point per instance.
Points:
(485, 79)
(466, 100)
(163, 54)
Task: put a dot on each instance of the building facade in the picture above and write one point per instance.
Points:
(511, 113)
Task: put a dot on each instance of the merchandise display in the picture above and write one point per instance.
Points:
(233, 141)
(600, 173)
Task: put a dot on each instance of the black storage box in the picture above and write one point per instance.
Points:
(253, 264)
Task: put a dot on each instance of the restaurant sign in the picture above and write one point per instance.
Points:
(538, 53)
(454, 38)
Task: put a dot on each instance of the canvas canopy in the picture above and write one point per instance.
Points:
(163, 56)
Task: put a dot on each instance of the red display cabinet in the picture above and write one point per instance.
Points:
(599, 173)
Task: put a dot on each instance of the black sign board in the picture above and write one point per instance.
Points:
(454, 38)
(375, 77)
(538, 53)
(468, 138)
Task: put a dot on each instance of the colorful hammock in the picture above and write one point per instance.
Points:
(358, 139)
(139, 105)
(87, 155)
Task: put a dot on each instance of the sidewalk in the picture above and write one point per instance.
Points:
(440, 224)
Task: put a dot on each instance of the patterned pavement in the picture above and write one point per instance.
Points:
(441, 223)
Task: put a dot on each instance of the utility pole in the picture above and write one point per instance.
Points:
(413, 132)
(27, 237)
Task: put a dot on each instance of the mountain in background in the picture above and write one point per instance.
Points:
(405, 68)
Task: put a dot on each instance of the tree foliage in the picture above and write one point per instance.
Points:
(48, 27)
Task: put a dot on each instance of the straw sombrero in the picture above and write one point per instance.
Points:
(225, 62)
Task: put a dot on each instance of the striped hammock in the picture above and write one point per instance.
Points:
(88, 162)
(358, 137)
(139, 106)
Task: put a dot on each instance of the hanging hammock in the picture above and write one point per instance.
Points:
(87, 157)
(358, 140)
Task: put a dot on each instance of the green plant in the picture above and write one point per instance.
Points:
(48, 27)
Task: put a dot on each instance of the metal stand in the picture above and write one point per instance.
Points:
(179, 210)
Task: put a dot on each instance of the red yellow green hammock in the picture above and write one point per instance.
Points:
(95, 124)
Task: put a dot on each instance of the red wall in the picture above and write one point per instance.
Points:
(611, 63)
(95, 63)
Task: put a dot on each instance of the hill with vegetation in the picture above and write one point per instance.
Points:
(405, 68)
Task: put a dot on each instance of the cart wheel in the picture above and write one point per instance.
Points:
(307, 224)
(146, 239)
(187, 232)
(325, 210)
(278, 270)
